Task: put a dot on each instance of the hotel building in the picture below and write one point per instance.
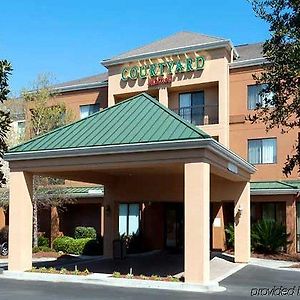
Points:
(183, 99)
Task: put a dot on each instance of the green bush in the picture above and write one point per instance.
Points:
(70, 245)
(62, 243)
(41, 249)
(93, 247)
(43, 241)
(77, 246)
(85, 232)
(229, 231)
(269, 236)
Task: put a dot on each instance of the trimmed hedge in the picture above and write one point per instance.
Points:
(70, 245)
(84, 246)
(85, 232)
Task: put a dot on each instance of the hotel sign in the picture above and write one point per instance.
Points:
(161, 73)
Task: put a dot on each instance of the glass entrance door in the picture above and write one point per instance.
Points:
(174, 226)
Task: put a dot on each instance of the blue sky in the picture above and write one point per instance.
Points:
(69, 38)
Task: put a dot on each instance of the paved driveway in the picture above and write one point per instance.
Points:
(262, 280)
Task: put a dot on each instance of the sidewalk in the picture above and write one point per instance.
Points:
(273, 264)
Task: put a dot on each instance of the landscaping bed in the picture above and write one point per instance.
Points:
(278, 256)
(275, 256)
(143, 277)
(46, 254)
(62, 271)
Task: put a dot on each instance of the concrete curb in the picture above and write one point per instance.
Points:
(107, 280)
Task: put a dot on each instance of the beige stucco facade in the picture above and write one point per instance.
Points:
(213, 79)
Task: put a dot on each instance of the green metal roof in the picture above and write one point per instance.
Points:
(140, 119)
(60, 191)
(74, 191)
(275, 185)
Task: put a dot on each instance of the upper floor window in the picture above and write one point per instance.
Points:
(86, 110)
(191, 107)
(262, 151)
(256, 97)
(20, 129)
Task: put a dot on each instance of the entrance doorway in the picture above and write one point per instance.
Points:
(174, 228)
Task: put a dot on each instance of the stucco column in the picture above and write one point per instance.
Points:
(196, 232)
(20, 222)
(163, 96)
(242, 223)
(291, 216)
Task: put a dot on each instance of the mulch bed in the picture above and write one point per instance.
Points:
(278, 256)
(46, 254)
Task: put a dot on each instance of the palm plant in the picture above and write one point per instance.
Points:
(229, 231)
(269, 236)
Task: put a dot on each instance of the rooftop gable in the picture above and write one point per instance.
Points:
(137, 120)
(180, 40)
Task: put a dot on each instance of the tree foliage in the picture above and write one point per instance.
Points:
(45, 113)
(281, 72)
(5, 71)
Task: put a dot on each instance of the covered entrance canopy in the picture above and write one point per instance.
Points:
(140, 151)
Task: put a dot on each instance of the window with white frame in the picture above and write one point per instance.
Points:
(262, 151)
(86, 110)
(129, 218)
(20, 129)
(256, 97)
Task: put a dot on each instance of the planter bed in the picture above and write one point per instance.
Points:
(143, 277)
(61, 271)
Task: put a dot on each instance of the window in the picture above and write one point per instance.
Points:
(20, 129)
(129, 218)
(191, 107)
(255, 97)
(262, 151)
(268, 210)
(86, 110)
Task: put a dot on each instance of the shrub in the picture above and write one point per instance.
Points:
(76, 246)
(41, 249)
(70, 245)
(4, 234)
(269, 236)
(43, 241)
(62, 243)
(85, 232)
(93, 247)
(229, 231)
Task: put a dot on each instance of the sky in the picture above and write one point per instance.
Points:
(68, 39)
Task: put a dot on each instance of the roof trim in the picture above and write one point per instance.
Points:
(208, 143)
(247, 63)
(156, 54)
(274, 191)
(82, 86)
